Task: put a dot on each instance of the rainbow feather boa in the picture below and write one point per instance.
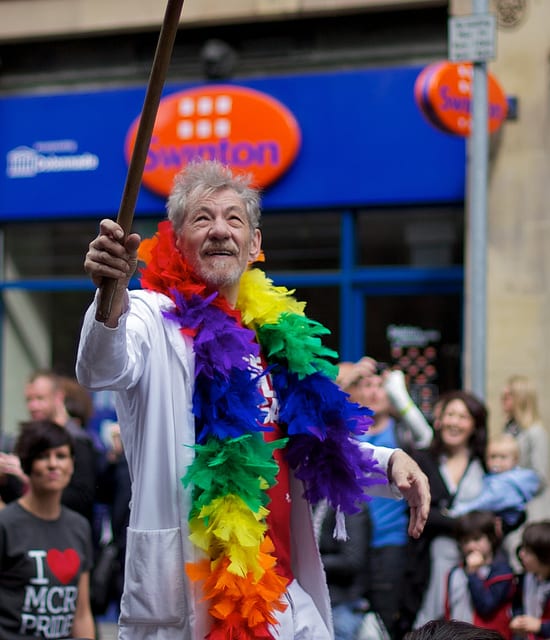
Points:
(234, 466)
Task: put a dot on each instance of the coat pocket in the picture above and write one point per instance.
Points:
(154, 578)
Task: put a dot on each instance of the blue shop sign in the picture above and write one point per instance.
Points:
(363, 142)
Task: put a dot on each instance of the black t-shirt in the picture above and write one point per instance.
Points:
(41, 562)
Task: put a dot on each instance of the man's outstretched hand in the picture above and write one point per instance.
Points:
(413, 484)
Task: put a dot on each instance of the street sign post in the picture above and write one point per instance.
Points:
(472, 39)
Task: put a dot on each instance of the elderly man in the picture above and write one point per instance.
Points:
(231, 424)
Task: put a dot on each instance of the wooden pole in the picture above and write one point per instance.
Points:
(134, 176)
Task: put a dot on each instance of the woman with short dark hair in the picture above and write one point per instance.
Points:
(45, 548)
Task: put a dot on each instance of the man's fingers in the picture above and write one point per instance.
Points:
(102, 262)
(413, 523)
(108, 227)
(417, 521)
(415, 488)
(132, 243)
(108, 256)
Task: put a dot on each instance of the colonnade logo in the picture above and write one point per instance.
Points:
(238, 126)
(48, 157)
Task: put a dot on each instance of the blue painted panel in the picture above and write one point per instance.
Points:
(364, 142)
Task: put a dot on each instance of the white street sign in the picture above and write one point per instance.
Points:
(472, 38)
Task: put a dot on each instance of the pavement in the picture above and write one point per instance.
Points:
(108, 630)
(107, 627)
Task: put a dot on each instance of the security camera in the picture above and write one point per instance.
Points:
(218, 59)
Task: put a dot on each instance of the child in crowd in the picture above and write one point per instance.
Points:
(532, 603)
(507, 487)
(481, 589)
(451, 630)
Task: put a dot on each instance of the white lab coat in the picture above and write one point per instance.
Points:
(150, 366)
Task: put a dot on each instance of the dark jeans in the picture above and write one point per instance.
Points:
(385, 580)
(347, 620)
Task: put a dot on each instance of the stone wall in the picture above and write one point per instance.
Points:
(46, 18)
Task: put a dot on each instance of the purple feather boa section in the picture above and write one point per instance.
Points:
(228, 408)
(316, 406)
(226, 399)
(338, 470)
(220, 341)
(323, 450)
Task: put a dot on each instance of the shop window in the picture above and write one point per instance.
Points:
(301, 241)
(44, 250)
(422, 237)
(421, 335)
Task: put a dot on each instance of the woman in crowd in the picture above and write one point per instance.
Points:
(520, 406)
(45, 548)
(454, 464)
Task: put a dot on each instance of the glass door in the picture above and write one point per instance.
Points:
(419, 333)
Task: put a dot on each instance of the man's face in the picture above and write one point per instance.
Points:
(369, 392)
(217, 241)
(41, 398)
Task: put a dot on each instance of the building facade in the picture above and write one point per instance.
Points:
(367, 221)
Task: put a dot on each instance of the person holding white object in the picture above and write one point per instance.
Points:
(396, 388)
(383, 577)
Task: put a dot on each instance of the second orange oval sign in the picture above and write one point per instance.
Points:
(244, 128)
(443, 91)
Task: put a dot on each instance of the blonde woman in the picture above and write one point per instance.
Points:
(520, 406)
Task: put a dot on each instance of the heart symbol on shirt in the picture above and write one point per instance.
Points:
(63, 564)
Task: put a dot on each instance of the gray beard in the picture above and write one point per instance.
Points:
(221, 277)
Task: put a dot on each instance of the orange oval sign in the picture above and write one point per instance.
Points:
(248, 130)
(443, 91)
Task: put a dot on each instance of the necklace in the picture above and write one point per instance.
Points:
(234, 466)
